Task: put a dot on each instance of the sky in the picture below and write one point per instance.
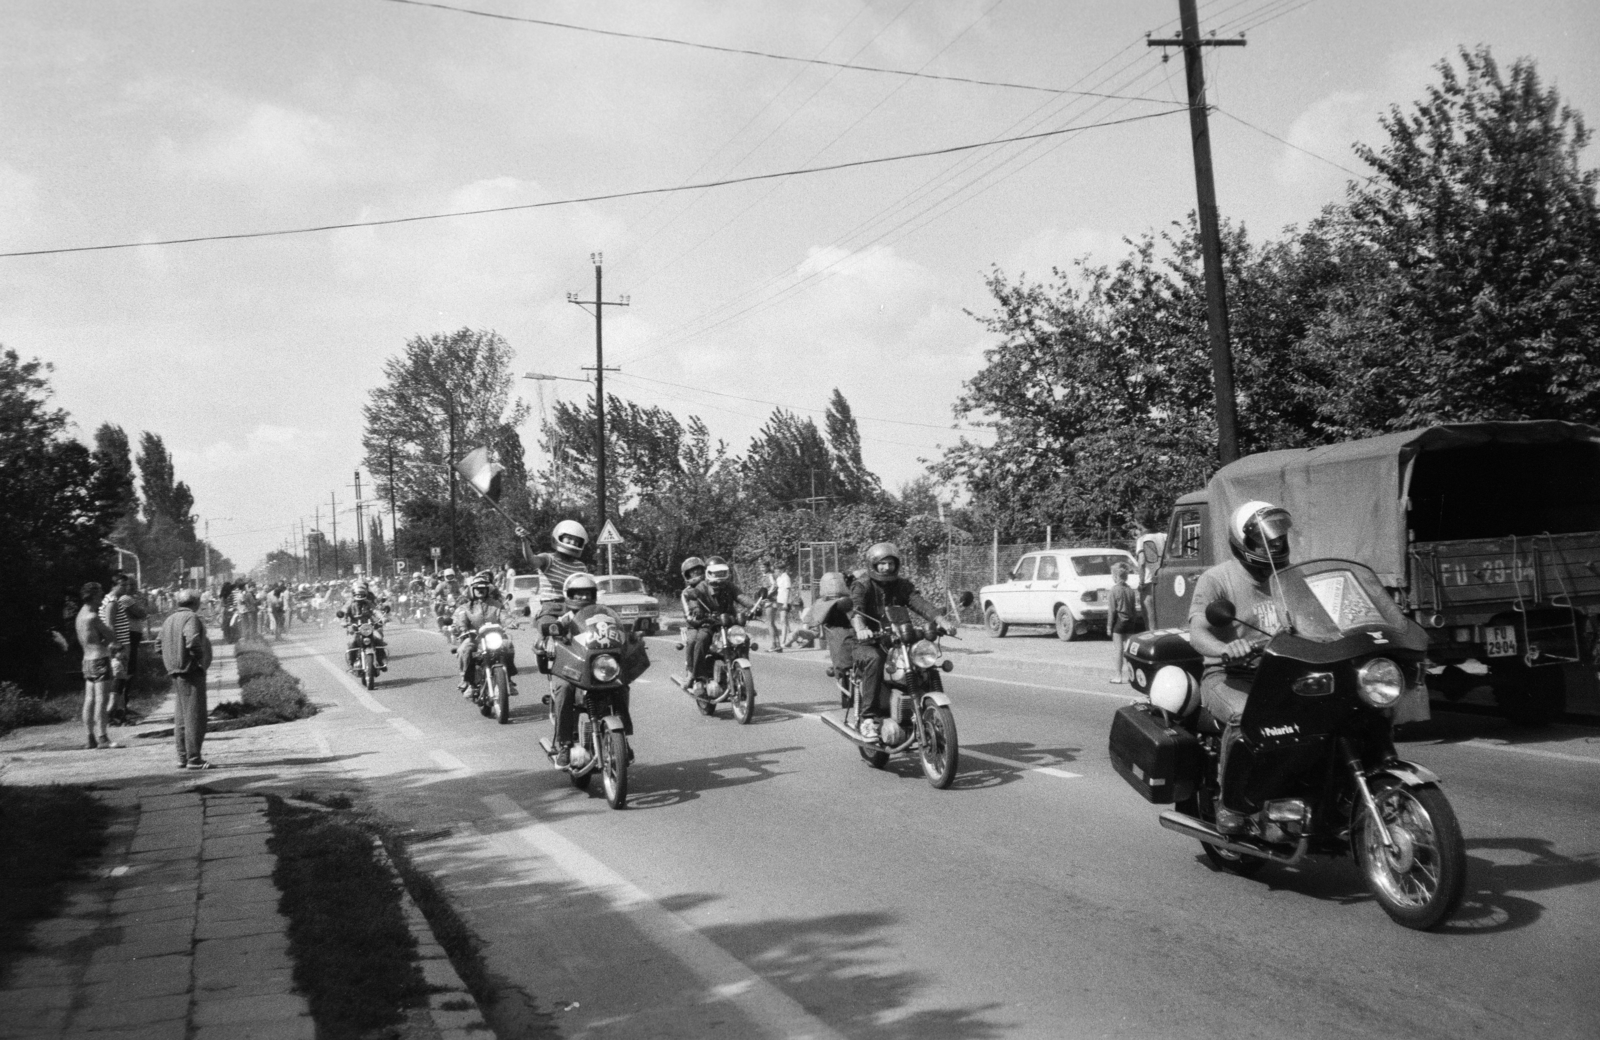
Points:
(135, 122)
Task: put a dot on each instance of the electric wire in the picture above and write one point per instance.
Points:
(606, 197)
(1258, 24)
(1368, 178)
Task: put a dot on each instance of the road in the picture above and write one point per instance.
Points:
(764, 882)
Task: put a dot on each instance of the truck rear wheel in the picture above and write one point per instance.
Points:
(1529, 696)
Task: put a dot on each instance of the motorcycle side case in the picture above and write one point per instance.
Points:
(1159, 760)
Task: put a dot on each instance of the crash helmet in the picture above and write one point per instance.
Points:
(1175, 691)
(689, 566)
(833, 586)
(717, 571)
(580, 591)
(891, 732)
(450, 574)
(1258, 533)
(362, 590)
(569, 538)
(883, 562)
(482, 584)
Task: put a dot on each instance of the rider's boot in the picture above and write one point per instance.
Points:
(564, 756)
(869, 728)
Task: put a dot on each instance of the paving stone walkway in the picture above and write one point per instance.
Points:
(177, 938)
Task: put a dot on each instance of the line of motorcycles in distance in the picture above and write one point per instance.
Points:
(1314, 770)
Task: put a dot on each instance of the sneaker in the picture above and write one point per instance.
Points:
(201, 763)
(106, 742)
(777, 649)
(182, 766)
(869, 728)
(1229, 822)
(564, 757)
(683, 679)
(93, 744)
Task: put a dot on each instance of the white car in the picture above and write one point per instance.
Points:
(626, 595)
(1067, 588)
(517, 591)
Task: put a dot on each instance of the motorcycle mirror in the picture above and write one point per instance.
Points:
(1220, 613)
(966, 599)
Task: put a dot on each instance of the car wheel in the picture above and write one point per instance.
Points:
(991, 620)
(1066, 628)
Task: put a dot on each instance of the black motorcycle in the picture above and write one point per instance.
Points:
(1314, 770)
(365, 635)
(728, 679)
(492, 691)
(600, 661)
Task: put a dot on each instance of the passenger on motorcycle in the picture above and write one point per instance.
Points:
(579, 598)
(829, 617)
(555, 568)
(693, 569)
(362, 608)
(707, 604)
(1258, 534)
(481, 607)
(871, 598)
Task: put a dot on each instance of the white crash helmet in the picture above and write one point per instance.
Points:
(1175, 692)
(891, 733)
(717, 571)
(569, 538)
(1259, 534)
(580, 590)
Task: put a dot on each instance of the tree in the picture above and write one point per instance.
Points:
(855, 482)
(789, 463)
(1482, 271)
(114, 483)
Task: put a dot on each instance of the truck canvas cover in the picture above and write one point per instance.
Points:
(1352, 500)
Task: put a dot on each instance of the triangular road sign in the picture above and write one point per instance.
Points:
(609, 535)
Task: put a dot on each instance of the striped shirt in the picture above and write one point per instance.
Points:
(554, 569)
(115, 615)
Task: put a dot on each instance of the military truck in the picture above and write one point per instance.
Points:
(1486, 534)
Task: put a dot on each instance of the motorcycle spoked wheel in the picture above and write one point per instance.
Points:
(744, 695)
(614, 768)
(940, 752)
(1222, 859)
(1420, 881)
(500, 695)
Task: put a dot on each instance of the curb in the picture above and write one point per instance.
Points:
(444, 983)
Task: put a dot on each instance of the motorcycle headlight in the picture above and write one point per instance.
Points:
(1380, 682)
(366, 630)
(738, 636)
(493, 640)
(605, 668)
(925, 655)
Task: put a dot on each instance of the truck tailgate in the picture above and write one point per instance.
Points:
(1479, 574)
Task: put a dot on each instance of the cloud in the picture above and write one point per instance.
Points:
(18, 198)
(260, 141)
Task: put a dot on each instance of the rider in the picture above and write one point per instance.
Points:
(579, 598)
(481, 607)
(362, 608)
(885, 588)
(706, 604)
(693, 569)
(555, 568)
(1258, 534)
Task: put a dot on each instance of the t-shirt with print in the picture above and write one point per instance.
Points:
(1253, 601)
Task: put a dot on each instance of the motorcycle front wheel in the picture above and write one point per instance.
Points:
(370, 666)
(940, 751)
(614, 768)
(744, 695)
(500, 688)
(1420, 880)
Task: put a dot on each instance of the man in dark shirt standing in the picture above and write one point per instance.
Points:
(186, 655)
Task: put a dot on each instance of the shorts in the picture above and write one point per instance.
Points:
(97, 669)
(1126, 627)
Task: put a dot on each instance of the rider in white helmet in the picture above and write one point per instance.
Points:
(1258, 534)
(568, 539)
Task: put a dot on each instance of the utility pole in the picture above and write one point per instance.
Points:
(394, 518)
(600, 303)
(1210, 235)
(317, 519)
(305, 557)
(333, 518)
(363, 549)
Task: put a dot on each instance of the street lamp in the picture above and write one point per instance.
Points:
(206, 545)
(138, 570)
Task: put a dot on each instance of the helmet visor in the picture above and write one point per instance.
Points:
(571, 541)
(1269, 531)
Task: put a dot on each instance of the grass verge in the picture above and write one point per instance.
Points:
(354, 957)
(48, 837)
(19, 707)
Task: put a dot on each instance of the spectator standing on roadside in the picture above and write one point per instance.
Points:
(1124, 616)
(99, 644)
(278, 605)
(778, 613)
(133, 601)
(250, 611)
(225, 605)
(114, 612)
(186, 654)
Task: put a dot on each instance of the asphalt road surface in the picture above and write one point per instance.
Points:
(765, 882)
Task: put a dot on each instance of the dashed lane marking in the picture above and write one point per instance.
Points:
(406, 727)
(724, 975)
(356, 689)
(449, 761)
(1519, 750)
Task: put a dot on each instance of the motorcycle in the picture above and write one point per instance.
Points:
(1314, 768)
(366, 634)
(492, 692)
(920, 722)
(600, 661)
(730, 681)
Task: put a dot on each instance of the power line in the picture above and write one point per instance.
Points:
(610, 196)
(742, 50)
(1290, 144)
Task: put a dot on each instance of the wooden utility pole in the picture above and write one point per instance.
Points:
(317, 527)
(333, 518)
(1210, 235)
(600, 303)
(394, 517)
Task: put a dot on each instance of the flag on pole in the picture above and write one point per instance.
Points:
(483, 475)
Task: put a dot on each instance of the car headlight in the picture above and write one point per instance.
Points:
(925, 655)
(605, 668)
(1380, 682)
(493, 640)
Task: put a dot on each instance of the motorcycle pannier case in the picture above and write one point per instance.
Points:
(1159, 760)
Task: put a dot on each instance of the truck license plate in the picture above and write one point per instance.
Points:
(1501, 640)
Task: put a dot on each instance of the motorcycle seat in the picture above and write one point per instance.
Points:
(1206, 724)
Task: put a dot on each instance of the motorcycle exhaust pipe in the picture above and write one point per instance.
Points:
(1188, 825)
(863, 741)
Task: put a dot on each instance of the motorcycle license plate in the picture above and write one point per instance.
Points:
(1501, 640)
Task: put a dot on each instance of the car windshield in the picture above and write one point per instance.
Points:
(1087, 566)
(525, 581)
(1328, 599)
(623, 586)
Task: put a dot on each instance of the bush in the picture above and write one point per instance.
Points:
(23, 709)
(278, 695)
(254, 657)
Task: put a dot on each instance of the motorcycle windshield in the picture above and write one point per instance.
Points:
(1329, 599)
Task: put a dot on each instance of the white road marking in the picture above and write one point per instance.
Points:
(367, 700)
(322, 744)
(406, 727)
(726, 976)
(449, 761)
(1517, 749)
(1129, 698)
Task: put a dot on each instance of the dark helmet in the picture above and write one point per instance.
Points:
(482, 584)
(581, 591)
(1258, 533)
(691, 564)
(887, 554)
(717, 571)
